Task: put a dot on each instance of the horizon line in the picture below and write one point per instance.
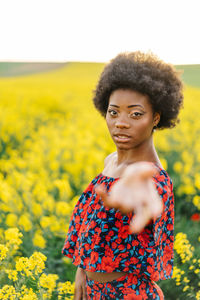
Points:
(75, 61)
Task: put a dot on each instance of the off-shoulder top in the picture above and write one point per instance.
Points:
(99, 240)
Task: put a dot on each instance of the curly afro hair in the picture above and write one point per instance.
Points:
(144, 73)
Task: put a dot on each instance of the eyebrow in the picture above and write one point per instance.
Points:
(129, 106)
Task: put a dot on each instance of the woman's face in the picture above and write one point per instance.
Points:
(130, 118)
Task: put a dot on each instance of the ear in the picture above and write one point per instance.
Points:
(156, 118)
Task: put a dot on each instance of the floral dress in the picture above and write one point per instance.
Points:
(99, 240)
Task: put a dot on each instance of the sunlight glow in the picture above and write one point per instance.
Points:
(97, 30)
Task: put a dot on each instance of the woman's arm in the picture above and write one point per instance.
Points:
(135, 192)
(80, 285)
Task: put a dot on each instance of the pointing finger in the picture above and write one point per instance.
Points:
(101, 191)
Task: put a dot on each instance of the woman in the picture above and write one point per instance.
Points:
(121, 230)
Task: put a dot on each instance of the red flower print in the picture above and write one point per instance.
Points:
(168, 269)
(87, 247)
(118, 215)
(170, 226)
(78, 260)
(92, 224)
(121, 247)
(124, 232)
(118, 224)
(134, 260)
(109, 252)
(97, 230)
(123, 255)
(141, 251)
(144, 239)
(109, 235)
(87, 260)
(149, 269)
(130, 294)
(155, 276)
(150, 260)
(81, 251)
(118, 241)
(77, 227)
(135, 243)
(102, 215)
(114, 245)
(167, 253)
(73, 238)
(108, 264)
(94, 257)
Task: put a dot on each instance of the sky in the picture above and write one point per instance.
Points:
(97, 30)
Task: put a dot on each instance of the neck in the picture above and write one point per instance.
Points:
(144, 152)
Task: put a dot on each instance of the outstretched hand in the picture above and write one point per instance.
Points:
(135, 192)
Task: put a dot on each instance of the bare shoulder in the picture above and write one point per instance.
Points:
(110, 158)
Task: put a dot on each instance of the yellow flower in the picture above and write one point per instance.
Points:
(198, 295)
(196, 201)
(36, 262)
(11, 220)
(62, 208)
(178, 167)
(197, 181)
(3, 251)
(55, 225)
(186, 288)
(24, 222)
(183, 247)
(63, 187)
(66, 288)
(177, 275)
(39, 241)
(8, 292)
(30, 266)
(27, 294)
(45, 221)
(48, 281)
(23, 266)
(48, 204)
(37, 209)
(12, 237)
(12, 274)
(186, 280)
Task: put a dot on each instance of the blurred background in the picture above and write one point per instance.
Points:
(53, 142)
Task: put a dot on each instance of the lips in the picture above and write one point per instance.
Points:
(123, 138)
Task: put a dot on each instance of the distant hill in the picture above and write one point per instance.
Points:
(190, 76)
(10, 69)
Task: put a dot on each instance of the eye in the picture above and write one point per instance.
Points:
(112, 112)
(136, 114)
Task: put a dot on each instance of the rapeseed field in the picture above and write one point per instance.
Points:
(52, 143)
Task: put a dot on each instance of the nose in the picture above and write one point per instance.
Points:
(122, 124)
